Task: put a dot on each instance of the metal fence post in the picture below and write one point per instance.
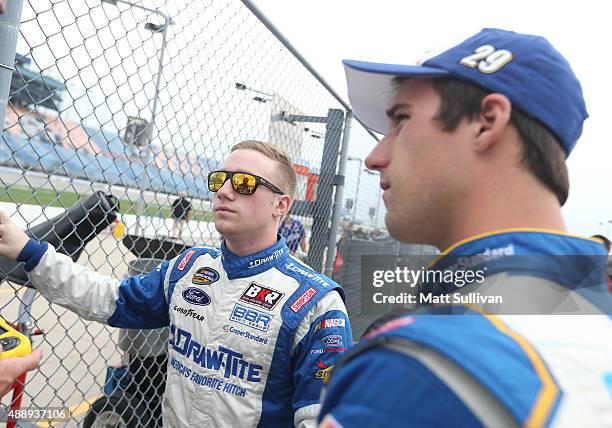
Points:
(321, 214)
(9, 31)
(339, 182)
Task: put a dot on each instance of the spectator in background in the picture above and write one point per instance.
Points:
(295, 236)
(182, 212)
(377, 234)
(360, 233)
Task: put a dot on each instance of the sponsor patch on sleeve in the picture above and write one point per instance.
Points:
(185, 260)
(303, 299)
(324, 371)
(333, 340)
(331, 322)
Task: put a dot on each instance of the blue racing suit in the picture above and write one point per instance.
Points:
(251, 338)
(479, 369)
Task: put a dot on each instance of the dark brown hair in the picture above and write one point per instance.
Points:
(542, 153)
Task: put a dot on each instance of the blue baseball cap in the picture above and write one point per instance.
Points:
(527, 69)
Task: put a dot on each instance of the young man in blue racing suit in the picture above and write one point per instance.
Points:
(473, 160)
(252, 330)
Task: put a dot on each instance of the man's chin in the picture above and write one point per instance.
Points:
(225, 227)
(405, 231)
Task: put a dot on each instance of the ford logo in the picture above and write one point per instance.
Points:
(332, 339)
(196, 296)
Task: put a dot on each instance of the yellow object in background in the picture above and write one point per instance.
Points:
(119, 230)
(14, 344)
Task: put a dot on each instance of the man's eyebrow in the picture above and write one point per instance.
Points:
(391, 112)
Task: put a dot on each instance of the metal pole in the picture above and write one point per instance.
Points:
(9, 31)
(158, 82)
(140, 206)
(333, 232)
(321, 211)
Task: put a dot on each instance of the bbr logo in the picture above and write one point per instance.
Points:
(261, 296)
(251, 317)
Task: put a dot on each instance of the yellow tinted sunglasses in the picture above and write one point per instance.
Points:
(243, 183)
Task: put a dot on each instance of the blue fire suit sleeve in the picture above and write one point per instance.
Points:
(327, 338)
(386, 389)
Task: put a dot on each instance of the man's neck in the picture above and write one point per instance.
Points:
(484, 212)
(250, 245)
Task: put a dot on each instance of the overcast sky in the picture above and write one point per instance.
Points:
(325, 32)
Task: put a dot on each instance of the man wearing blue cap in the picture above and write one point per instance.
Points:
(473, 162)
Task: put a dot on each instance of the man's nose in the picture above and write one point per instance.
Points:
(379, 157)
(226, 191)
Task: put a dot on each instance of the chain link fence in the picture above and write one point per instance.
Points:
(140, 100)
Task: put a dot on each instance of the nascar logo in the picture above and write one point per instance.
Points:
(332, 322)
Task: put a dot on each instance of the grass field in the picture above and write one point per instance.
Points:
(51, 198)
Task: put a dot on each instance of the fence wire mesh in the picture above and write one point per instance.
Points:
(140, 100)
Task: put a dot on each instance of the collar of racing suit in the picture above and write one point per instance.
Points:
(528, 241)
(243, 266)
(572, 261)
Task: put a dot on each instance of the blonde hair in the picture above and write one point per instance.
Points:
(285, 170)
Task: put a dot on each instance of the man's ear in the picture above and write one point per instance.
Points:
(492, 120)
(283, 205)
